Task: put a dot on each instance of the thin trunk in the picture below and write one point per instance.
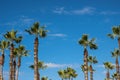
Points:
(91, 72)
(17, 73)
(2, 64)
(108, 75)
(36, 72)
(86, 64)
(118, 61)
(18, 67)
(14, 68)
(11, 76)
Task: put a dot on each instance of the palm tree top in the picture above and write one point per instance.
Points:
(115, 53)
(37, 30)
(4, 44)
(108, 65)
(115, 32)
(92, 59)
(12, 36)
(41, 65)
(84, 41)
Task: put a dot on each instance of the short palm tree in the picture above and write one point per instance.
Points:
(85, 42)
(116, 54)
(41, 65)
(114, 76)
(116, 34)
(19, 52)
(91, 60)
(44, 78)
(12, 37)
(61, 74)
(108, 66)
(38, 31)
(72, 73)
(3, 45)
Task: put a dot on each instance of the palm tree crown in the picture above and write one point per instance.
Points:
(37, 30)
(85, 42)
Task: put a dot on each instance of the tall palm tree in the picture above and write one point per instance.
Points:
(12, 37)
(36, 30)
(108, 66)
(41, 65)
(19, 52)
(91, 60)
(85, 42)
(116, 54)
(116, 34)
(3, 45)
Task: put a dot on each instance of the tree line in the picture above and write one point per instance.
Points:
(12, 41)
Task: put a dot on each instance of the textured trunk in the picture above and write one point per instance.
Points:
(11, 76)
(118, 61)
(18, 67)
(14, 69)
(91, 72)
(86, 64)
(17, 73)
(108, 75)
(1, 72)
(36, 72)
(2, 64)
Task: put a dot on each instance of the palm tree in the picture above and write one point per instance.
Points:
(116, 34)
(40, 65)
(108, 66)
(116, 54)
(19, 52)
(3, 45)
(44, 78)
(37, 31)
(91, 60)
(71, 72)
(85, 42)
(11, 37)
(61, 74)
(114, 76)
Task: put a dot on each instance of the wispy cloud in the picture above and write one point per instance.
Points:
(58, 35)
(85, 10)
(20, 22)
(54, 65)
(61, 10)
(109, 12)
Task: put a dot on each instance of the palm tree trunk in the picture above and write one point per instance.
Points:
(117, 65)
(11, 76)
(17, 73)
(86, 64)
(108, 75)
(18, 67)
(118, 61)
(36, 72)
(2, 63)
(14, 68)
(91, 72)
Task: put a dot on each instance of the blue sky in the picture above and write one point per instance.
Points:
(66, 21)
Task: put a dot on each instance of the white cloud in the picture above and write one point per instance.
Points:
(58, 35)
(60, 10)
(85, 10)
(109, 13)
(54, 65)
